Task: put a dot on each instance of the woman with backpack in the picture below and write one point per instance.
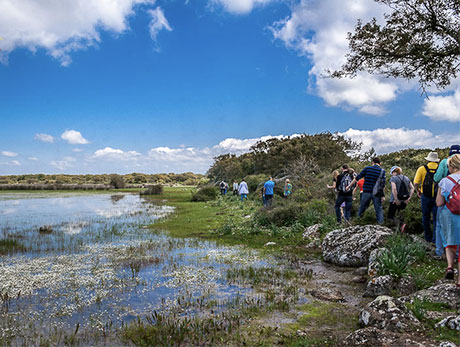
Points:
(402, 190)
(448, 202)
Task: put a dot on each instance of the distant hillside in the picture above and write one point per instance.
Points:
(187, 178)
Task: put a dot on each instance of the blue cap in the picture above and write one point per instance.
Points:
(454, 149)
(393, 169)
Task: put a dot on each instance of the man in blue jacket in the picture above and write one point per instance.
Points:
(269, 187)
(371, 175)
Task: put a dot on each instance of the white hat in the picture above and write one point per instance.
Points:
(433, 156)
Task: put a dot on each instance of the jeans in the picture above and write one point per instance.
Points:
(365, 202)
(244, 196)
(348, 199)
(268, 200)
(429, 209)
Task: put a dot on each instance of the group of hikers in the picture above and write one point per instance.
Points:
(436, 183)
(267, 190)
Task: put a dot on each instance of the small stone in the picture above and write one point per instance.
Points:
(270, 244)
(359, 279)
(328, 295)
(388, 313)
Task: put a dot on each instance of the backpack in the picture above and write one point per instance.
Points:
(344, 183)
(429, 183)
(403, 191)
(454, 197)
(379, 186)
(222, 185)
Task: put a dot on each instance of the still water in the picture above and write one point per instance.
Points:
(89, 260)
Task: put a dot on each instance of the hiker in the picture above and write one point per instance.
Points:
(443, 170)
(268, 191)
(448, 202)
(287, 188)
(243, 190)
(235, 187)
(426, 190)
(374, 183)
(344, 194)
(359, 185)
(335, 174)
(222, 186)
(402, 190)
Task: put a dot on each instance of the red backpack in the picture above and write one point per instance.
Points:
(454, 197)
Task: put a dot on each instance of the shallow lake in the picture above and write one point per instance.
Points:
(88, 260)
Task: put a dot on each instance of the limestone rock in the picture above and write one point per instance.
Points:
(373, 267)
(388, 313)
(444, 293)
(327, 294)
(381, 285)
(312, 232)
(352, 246)
(452, 322)
(374, 337)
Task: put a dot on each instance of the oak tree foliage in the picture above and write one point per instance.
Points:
(420, 39)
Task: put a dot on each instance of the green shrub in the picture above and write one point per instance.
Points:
(117, 181)
(206, 193)
(281, 215)
(400, 253)
(156, 189)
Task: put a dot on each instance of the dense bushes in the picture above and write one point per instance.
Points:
(274, 156)
(156, 189)
(205, 193)
(117, 181)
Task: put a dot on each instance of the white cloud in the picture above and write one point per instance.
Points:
(238, 146)
(390, 139)
(443, 108)
(239, 6)
(158, 23)
(64, 164)
(77, 150)
(180, 154)
(32, 158)
(115, 154)
(74, 137)
(61, 27)
(44, 138)
(9, 154)
(318, 30)
(15, 163)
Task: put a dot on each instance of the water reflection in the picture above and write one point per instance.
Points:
(73, 221)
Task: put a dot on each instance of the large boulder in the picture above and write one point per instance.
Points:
(444, 293)
(373, 337)
(451, 322)
(352, 246)
(388, 313)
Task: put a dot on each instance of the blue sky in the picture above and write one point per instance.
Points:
(99, 86)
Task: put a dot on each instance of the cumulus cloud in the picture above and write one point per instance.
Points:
(443, 108)
(390, 139)
(157, 23)
(44, 138)
(9, 154)
(232, 145)
(180, 154)
(115, 154)
(61, 27)
(239, 6)
(318, 30)
(64, 164)
(15, 163)
(74, 137)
